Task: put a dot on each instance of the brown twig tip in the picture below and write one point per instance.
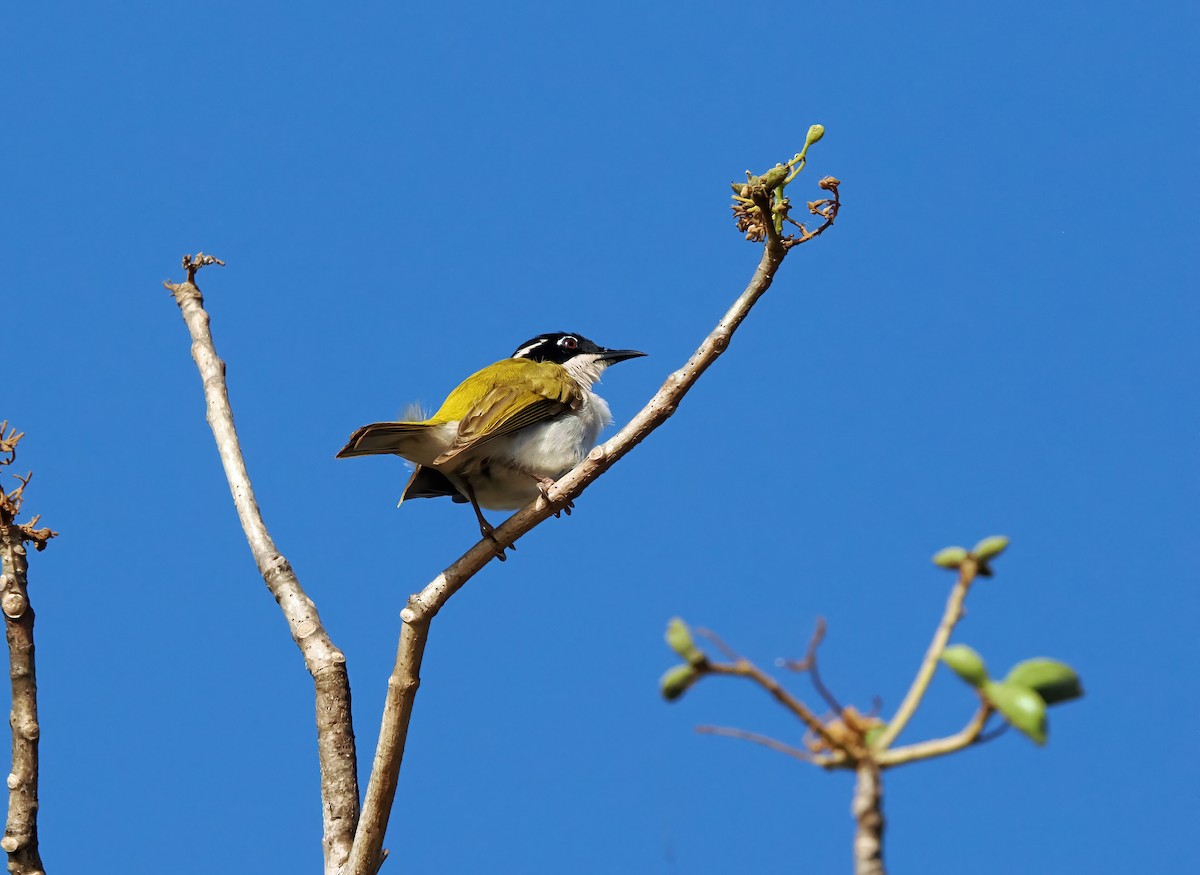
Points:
(188, 288)
(826, 208)
(8, 443)
(192, 263)
(809, 665)
(10, 502)
(753, 200)
(810, 656)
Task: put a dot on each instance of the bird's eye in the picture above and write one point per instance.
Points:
(569, 343)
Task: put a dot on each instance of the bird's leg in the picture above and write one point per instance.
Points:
(486, 528)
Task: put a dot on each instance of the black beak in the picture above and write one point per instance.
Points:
(612, 356)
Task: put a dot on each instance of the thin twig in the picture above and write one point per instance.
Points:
(826, 208)
(424, 606)
(745, 668)
(716, 641)
(8, 443)
(810, 666)
(324, 661)
(764, 740)
(950, 618)
(971, 734)
(20, 830)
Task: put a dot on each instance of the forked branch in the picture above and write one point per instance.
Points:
(354, 844)
(862, 742)
(424, 606)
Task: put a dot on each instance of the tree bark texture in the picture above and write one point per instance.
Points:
(868, 817)
(20, 831)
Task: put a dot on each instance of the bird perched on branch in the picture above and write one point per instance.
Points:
(508, 431)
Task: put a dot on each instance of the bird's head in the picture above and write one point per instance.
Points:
(584, 359)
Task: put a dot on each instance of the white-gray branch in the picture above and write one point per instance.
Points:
(324, 661)
(367, 854)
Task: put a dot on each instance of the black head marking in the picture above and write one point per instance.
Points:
(562, 346)
(556, 347)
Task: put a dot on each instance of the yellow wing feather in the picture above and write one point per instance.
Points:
(503, 398)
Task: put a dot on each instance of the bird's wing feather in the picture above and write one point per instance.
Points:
(540, 391)
(380, 437)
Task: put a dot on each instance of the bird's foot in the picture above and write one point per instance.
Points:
(489, 533)
(544, 484)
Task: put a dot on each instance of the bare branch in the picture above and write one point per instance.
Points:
(867, 808)
(424, 606)
(324, 661)
(826, 208)
(754, 737)
(950, 618)
(969, 735)
(745, 668)
(20, 830)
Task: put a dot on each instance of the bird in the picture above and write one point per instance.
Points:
(507, 432)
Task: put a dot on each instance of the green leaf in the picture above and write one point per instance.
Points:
(950, 557)
(990, 548)
(679, 637)
(1019, 705)
(676, 681)
(966, 663)
(1052, 680)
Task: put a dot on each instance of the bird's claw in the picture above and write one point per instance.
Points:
(489, 533)
(544, 484)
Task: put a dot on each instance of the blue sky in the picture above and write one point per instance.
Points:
(997, 337)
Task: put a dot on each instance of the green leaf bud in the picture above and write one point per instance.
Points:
(815, 133)
(679, 638)
(676, 681)
(1020, 706)
(1052, 680)
(950, 557)
(990, 548)
(966, 663)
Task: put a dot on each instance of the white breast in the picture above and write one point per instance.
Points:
(512, 464)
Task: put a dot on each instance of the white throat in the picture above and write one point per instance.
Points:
(586, 368)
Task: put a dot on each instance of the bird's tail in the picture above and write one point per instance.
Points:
(381, 438)
(429, 483)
